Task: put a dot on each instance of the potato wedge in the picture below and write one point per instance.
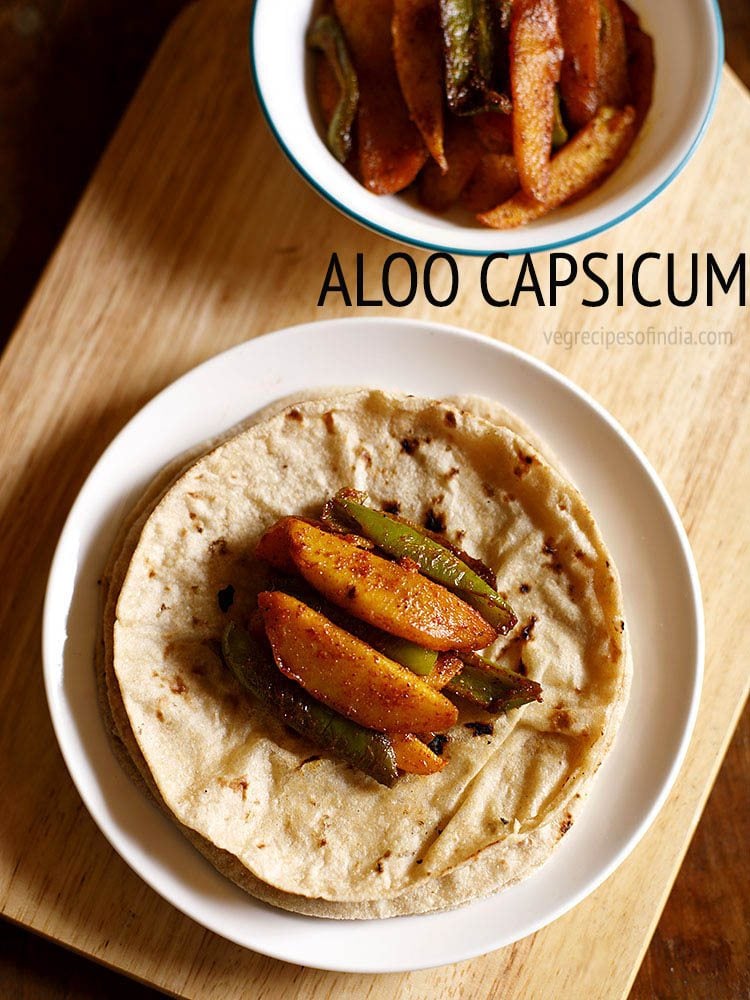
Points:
(614, 87)
(640, 48)
(415, 757)
(494, 181)
(495, 131)
(581, 164)
(580, 21)
(417, 50)
(274, 546)
(446, 668)
(440, 190)
(535, 60)
(348, 675)
(385, 594)
(390, 148)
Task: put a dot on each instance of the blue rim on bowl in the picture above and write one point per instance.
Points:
(716, 57)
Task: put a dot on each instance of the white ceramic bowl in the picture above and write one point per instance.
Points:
(689, 48)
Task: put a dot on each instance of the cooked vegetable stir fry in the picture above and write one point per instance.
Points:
(437, 90)
(370, 623)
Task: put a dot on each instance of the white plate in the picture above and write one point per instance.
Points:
(689, 52)
(637, 520)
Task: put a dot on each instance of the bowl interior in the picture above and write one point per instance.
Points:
(688, 50)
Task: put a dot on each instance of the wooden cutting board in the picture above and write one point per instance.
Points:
(194, 235)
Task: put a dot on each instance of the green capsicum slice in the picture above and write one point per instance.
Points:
(492, 686)
(469, 47)
(327, 37)
(402, 540)
(371, 752)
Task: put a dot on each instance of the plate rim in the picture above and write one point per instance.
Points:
(53, 664)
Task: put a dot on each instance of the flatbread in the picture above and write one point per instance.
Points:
(317, 836)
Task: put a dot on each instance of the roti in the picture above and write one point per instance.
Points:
(289, 823)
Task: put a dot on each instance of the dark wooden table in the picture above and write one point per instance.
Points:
(67, 71)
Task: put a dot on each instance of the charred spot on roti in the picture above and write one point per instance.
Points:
(240, 785)
(449, 418)
(329, 422)
(528, 629)
(488, 489)
(295, 414)
(225, 598)
(550, 549)
(379, 863)
(566, 824)
(437, 743)
(409, 445)
(524, 588)
(480, 728)
(218, 546)
(435, 521)
(561, 721)
(160, 715)
(391, 506)
(178, 685)
(524, 464)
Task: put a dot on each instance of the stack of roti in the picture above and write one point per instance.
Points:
(289, 823)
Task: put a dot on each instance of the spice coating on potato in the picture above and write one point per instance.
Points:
(640, 65)
(439, 189)
(494, 181)
(392, 597)
(418, 53)
(580, 22)
(390, 148)
(614, 86)
(535, 60)
(348, 675)
(583, 162)
(415, 757)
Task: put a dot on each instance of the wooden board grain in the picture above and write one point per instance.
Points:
(194, 235)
